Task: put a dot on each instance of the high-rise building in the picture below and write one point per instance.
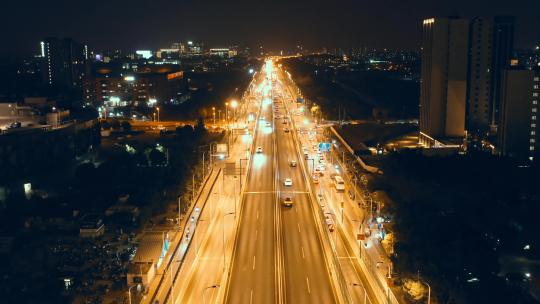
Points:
(517, 132)
(444, 79)
(65, 62)
(491, 43)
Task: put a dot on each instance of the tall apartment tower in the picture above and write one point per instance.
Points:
(491, 44)
(517, 132)
(444, 79)
(64, 61)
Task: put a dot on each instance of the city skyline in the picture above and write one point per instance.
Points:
(312, 24)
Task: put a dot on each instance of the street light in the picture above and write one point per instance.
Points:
(223, 230)
(213, 286)
(129, 291)
(157, 113)
(429, 290)
(365, 292)
(214, 115)
(234, 104)
(227, 112)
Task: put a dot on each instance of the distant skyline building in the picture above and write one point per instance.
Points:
(444, 79)
(64, 62)
(518, 136)
(491, 45)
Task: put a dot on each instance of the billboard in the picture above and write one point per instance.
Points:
(221, 148)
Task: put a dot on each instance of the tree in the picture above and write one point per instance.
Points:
(200, 129)
(126, 126)
(185, 133)
(115, 124)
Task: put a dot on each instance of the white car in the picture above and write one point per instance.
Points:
(259, 150)
(287, 182)
(268, 124)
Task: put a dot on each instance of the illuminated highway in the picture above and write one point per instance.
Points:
(278, 252)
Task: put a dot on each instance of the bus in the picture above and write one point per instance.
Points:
(339, 184)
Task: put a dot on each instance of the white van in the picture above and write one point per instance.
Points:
(339, 184)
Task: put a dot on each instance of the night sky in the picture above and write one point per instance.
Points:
(275, 24)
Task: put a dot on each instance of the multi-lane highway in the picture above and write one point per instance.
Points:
(278, 253)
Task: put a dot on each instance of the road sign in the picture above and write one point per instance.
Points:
(324, 147)
(230, 168)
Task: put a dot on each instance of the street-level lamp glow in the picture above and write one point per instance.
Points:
(234, 104)
(157, 108)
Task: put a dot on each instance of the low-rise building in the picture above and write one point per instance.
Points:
(149, 256)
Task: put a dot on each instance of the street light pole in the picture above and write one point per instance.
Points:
(365, 293)
(213, 286)
(129, 291)
(223, 230)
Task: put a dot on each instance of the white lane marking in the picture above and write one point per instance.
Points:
(257, 214)
(303, 255)
(308, 289)
(298, 227)
(296, 209)
(251, 297)
(256, 233)
(253, 262)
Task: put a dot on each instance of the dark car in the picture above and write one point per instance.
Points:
(352, 194)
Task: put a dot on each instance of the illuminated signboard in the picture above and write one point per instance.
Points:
(175, 75)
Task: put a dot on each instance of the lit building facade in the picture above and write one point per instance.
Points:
(64, 62)
(491, 45)
(444, 79)
(517, 132)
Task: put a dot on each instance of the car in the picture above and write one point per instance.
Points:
(322, 167)
(286, 130)
(293, 163)
(14, 125)
(261, 118)
(284, 122)
(287, 182)
(352, 194)
(259, 150)
(287, 202)
(330, 222)
(268, 124)
(315, 179)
